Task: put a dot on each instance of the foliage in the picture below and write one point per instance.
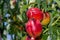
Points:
(13, 18)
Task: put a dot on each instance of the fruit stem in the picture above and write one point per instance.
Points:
(32, 38)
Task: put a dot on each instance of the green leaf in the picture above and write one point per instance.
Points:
(38, 2)
(24, 17)
(24, 7)
(58, 2)
(44, 37)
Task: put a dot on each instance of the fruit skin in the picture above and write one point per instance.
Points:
(35, 13)
(46, 19)
(28, 38)
(38, 38)
(33, 28)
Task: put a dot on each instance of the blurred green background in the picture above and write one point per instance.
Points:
(13, 18)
